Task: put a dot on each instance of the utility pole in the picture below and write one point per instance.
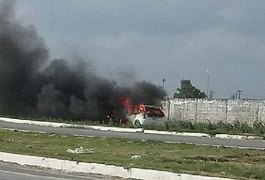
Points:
(163, 82)
(208, 81)
(238, 92)
(211, 94)
(168, 109)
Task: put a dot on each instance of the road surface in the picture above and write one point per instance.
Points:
(9, 171)
(252, 144)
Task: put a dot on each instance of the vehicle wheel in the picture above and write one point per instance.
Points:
(137, 123)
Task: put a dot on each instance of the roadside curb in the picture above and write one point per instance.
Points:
(95, 168)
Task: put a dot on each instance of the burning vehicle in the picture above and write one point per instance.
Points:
(144, 115)
(147, 115)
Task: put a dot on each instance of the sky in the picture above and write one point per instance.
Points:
(149, 40)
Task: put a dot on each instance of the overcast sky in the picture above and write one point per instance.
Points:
(154, 39)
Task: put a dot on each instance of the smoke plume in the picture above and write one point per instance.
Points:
(60, 89)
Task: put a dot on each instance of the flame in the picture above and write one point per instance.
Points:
(130, 107)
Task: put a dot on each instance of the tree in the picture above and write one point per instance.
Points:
(187, 90)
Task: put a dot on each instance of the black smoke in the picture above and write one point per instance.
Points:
(30, 87)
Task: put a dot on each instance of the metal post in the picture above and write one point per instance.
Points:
(196, 109)
(226, 109)
(168, 108)
(239, 91)
(208, 81)
(163, 82)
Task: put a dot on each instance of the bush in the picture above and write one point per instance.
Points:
(259, 127)
(236, 127)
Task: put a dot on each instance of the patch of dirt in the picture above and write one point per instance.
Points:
(247, 158)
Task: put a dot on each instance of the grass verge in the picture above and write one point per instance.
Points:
(234, 128)
(181, 158)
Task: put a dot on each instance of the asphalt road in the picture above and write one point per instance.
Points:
(252, 144)
(9, 171)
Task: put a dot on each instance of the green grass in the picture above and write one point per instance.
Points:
(182, 158)
(236, 127)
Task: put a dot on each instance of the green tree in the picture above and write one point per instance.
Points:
(187, 90)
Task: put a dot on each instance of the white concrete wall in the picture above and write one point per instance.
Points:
(224, 110)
